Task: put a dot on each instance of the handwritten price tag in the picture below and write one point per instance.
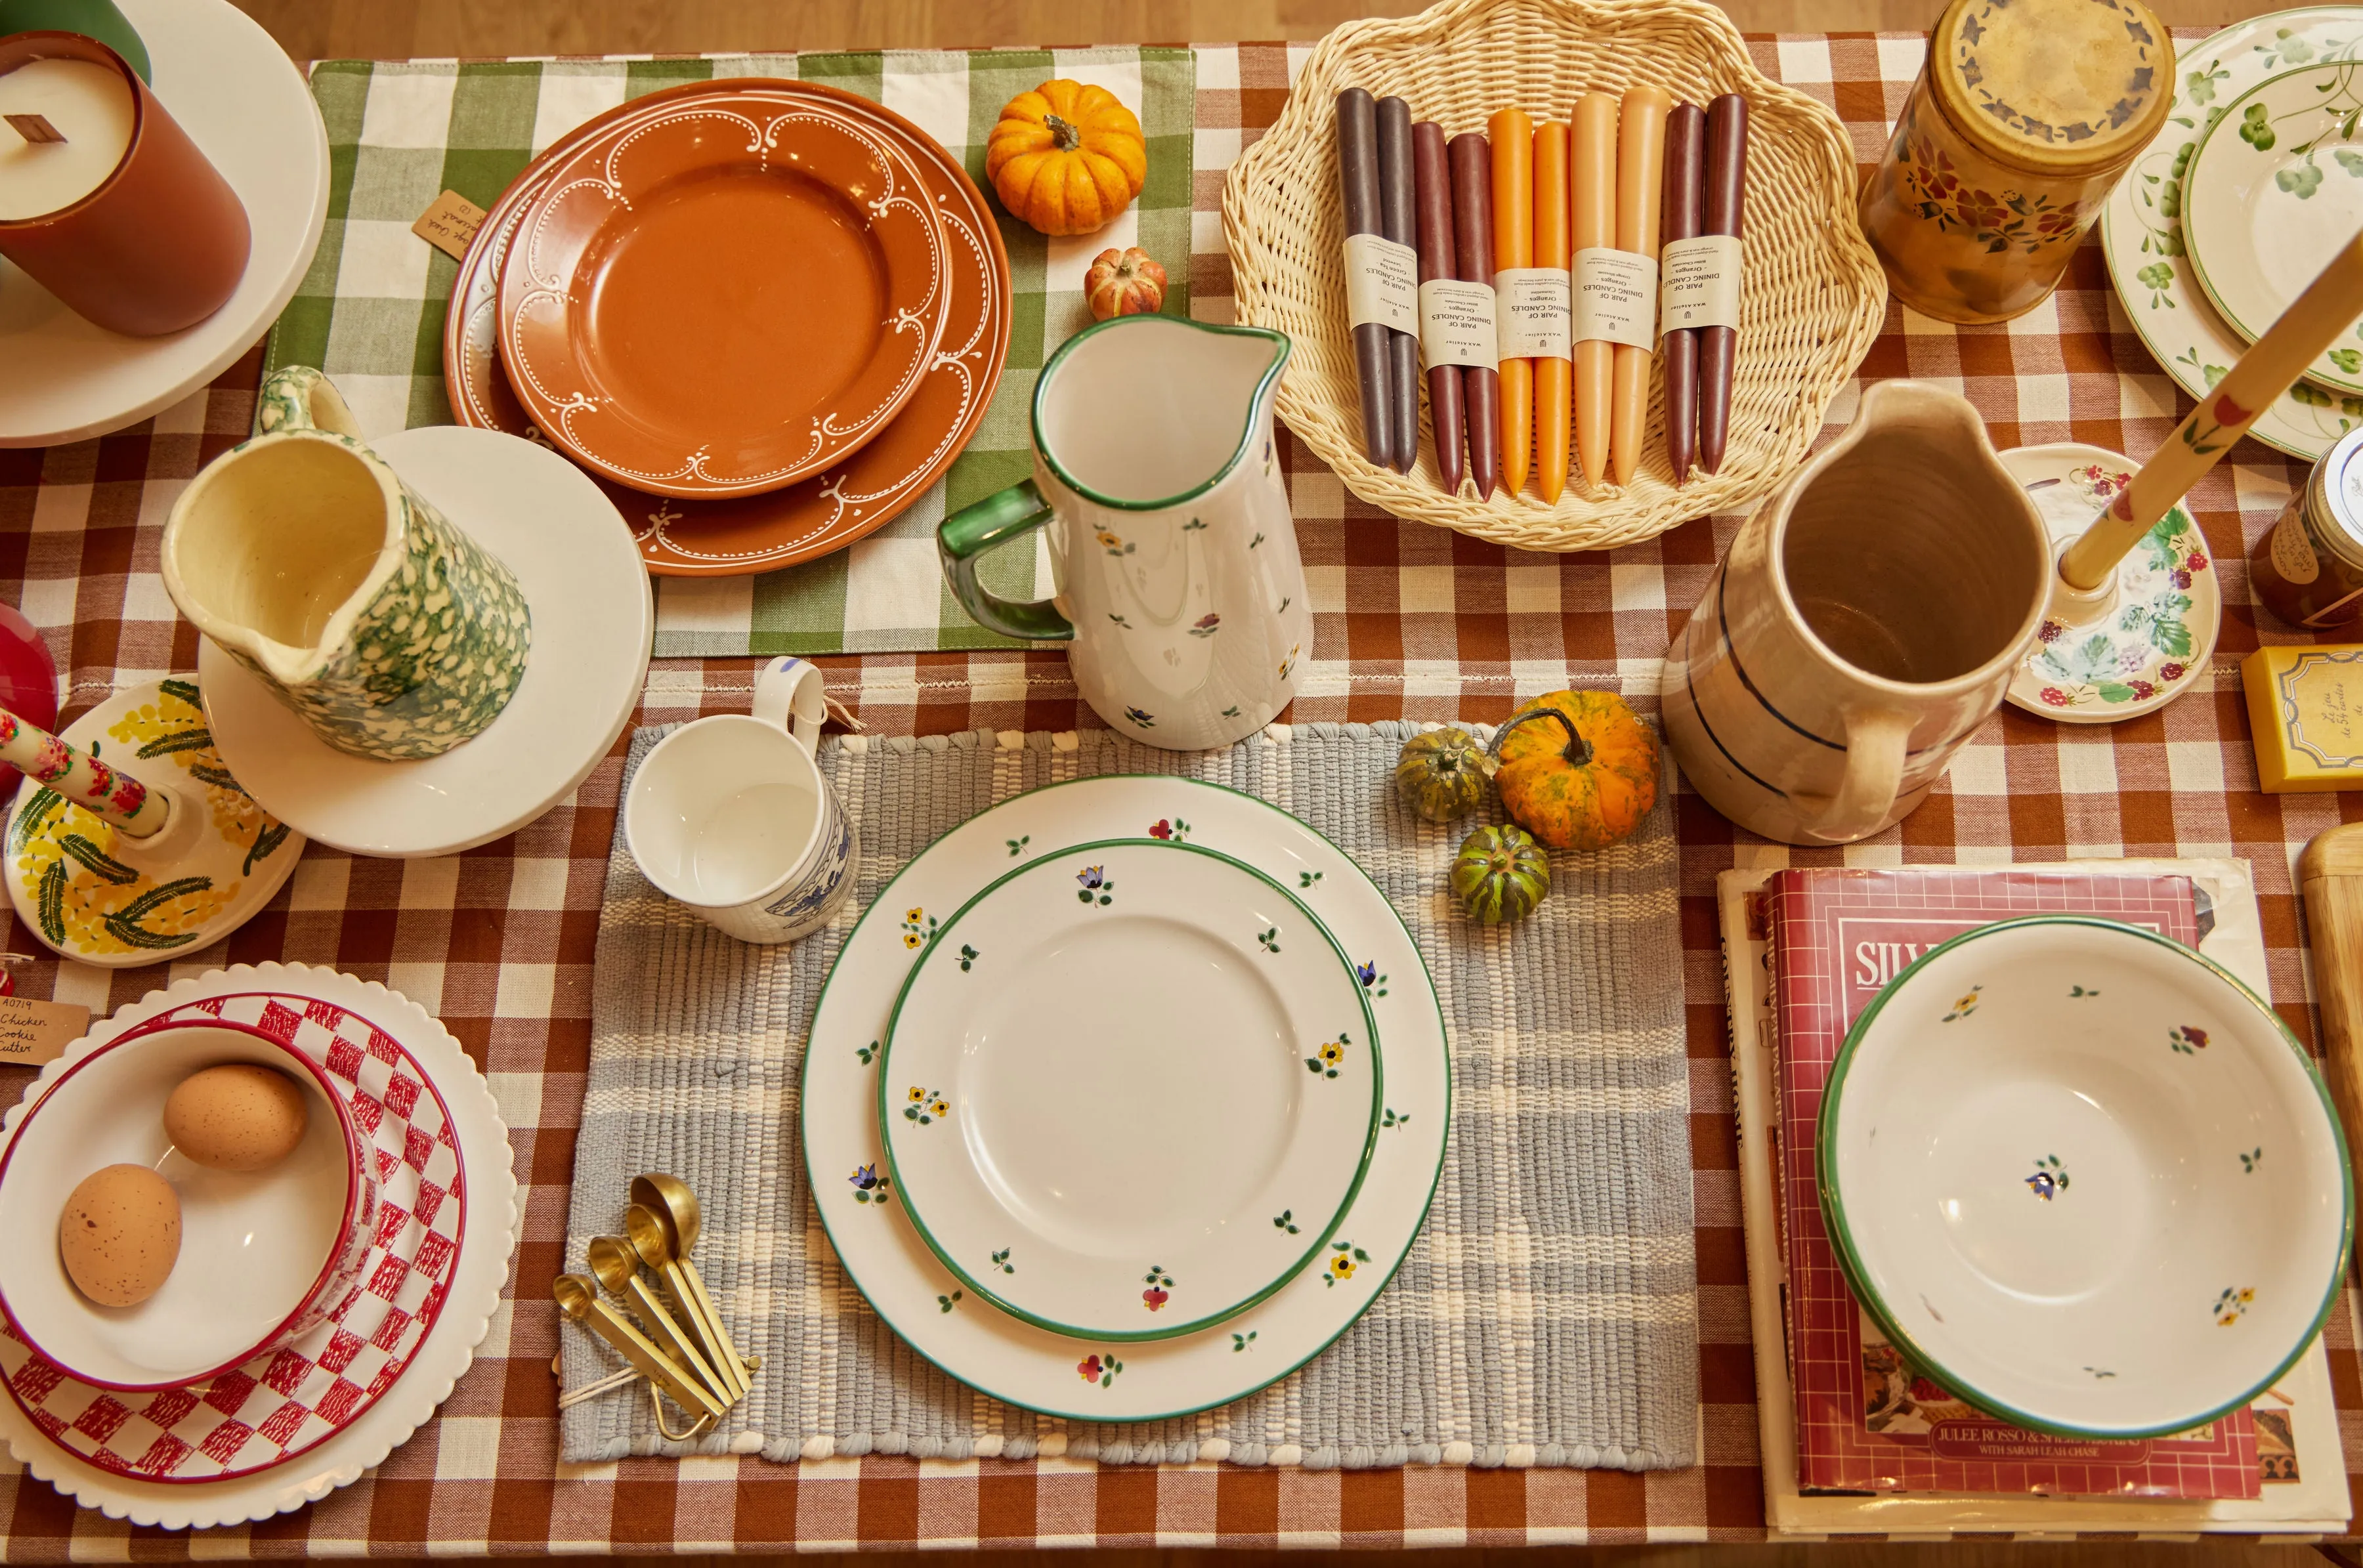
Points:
(450, 223)
(33, 1032)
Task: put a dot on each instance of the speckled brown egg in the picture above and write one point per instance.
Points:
(237, 1116)
(120, 1234)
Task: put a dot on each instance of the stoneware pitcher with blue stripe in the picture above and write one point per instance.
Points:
(1177, 588)
(1864, 625)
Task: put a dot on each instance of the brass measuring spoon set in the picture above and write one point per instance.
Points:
(680, 1344)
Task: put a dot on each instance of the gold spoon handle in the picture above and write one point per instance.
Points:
(698, 1307)
(683, 1347)
(651, 1363)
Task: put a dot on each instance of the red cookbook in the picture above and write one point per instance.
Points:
(1866, 1421)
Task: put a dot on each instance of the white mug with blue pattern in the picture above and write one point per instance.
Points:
(730, 813)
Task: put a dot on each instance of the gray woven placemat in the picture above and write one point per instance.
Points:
(1548, 1314)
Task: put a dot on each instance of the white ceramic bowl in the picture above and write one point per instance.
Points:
(263, 1256)
(2084, 1178)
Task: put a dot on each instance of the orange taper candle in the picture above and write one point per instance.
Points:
(1593, 182)
(1551, 251)
(1513, 246)
(1640, 186)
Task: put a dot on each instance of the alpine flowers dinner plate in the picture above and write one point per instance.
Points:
(861, 1204)
(2275, 192)
(1116, 1000)
(2084, 1178)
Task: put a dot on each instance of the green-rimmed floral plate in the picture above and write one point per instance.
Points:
(1129, 1089)
(2160, 632)
(1054, 1374)
(2084, 1178)
(2275, 190)
(2142, 227)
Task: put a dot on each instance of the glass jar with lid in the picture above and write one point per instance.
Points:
(2024, 115)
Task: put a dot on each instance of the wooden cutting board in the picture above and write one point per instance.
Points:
(2331, 873)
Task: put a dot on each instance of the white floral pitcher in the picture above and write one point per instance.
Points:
(1177, 582)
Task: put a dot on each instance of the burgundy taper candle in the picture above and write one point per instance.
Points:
(1684, 209)
(1358, 163)
(1726, 180)
(1472, 257)
(1432, 189)
(1395, 189)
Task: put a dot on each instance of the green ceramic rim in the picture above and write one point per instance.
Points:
(2315, 369)
(2140, 319)
(1834, 1205)
(1247, 428)
(1329, 1227)
(1436, 1179)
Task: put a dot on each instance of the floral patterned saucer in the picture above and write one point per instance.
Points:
(2274, 192)
(2143, 228)
(2168, 610)
(2131, 1215)
(1112, 995)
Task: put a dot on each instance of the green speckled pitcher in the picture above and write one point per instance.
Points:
(299, 552)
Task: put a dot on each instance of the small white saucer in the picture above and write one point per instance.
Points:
(249, 109)
(593, 618)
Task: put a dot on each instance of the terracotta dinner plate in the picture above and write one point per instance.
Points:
(829, 510)
(720, 293)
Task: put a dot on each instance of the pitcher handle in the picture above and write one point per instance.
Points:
(297, 397)
(790, 695)
(1876, 740)
(973, 529)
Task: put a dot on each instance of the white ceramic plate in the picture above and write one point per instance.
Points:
(2084, 1178)
(593, 618)
(2275, 190)
(2142, 229)
(1112, 998)
(2169, 606)
(449, 1346)
(1032, 1367)
(249, 110)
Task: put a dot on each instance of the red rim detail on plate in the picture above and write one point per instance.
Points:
(289, 1400)
(720, 293)
(816, 516)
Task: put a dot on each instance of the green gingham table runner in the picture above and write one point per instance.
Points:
(370, 311)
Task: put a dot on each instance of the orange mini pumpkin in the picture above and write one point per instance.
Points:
(1579, 769)
(1066, 158)
(1123, 283)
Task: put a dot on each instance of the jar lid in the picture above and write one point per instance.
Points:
(2337, 497)
(2053, 86)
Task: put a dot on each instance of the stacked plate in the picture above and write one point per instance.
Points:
(2256, 182)
(85, 1412)
(1126, 1098)
(764, 314)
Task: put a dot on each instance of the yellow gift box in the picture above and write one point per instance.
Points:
(2305, 710)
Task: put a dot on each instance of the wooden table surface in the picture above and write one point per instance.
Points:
(388, 29)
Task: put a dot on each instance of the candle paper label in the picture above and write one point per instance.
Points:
(1700, 285)
(33, 1032)
(1533, 313)
(1381, 283)
(450, 223)
(1615, 297)
(1456, 324)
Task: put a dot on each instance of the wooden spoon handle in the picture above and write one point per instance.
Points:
(2331, 873)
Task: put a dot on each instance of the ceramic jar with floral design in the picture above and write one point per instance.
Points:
(2023, 119)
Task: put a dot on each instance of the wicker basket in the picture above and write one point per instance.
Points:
(1813, 295)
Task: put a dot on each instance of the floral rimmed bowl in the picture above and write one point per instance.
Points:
(2084, 1179)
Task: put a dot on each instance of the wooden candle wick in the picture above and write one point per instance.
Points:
(37, 129)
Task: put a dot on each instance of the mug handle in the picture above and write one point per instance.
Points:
(973, 529)
(1876, 740)
(789, 694)
(297, 397)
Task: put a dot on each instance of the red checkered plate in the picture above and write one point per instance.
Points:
(290, 1425)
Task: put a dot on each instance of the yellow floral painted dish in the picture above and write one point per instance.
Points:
(103, 897)
(1129, 1089)
(2085, 1179)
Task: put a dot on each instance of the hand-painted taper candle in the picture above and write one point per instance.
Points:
(1641, 184)
(1592, 179)
(1513, 246)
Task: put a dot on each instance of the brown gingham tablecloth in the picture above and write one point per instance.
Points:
(1409, 622)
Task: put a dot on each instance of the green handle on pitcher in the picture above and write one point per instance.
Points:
(969, 533)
